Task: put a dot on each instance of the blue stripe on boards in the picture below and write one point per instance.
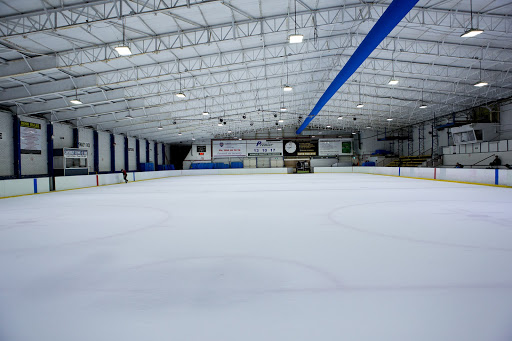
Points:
(35, 185)
(496, 176)
(387, 22)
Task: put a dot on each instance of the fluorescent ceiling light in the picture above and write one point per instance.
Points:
(389, 119)
(281, 121)
(368, 127)
(229, 131)
(287, 88)
(283, 109)
(220, 124)
(360, 105)
(129, 116)
(340, 117)
(179, 134)
(473, 32)
(423, 106)
(123, 50)
(206, 113)
(480, 84)
(160, 127)
(75, 101)
(393, 82)
(295, 38)
(353, 133)
(327, 126)
(180, 95)
(193, 139)
(279, 129)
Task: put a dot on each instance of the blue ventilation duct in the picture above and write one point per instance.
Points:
(387, 22)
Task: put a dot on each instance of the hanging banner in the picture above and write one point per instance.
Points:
(265, 148)
(31, 136)
(229, 148)
(300, 148)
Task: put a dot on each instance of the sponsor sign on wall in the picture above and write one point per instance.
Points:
(265, 148)
(228, 148)
(75, 153)
(331, 147)
(300, 148)
(30, 137)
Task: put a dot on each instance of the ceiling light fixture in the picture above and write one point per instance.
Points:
(75, 100)
(129, 116)
(423, 106)
(280, 120)
(340, 117)
(472, 32)
(123, 50)
(481, 83)
(160, 127)
(279, 128)
(283, 109)
(389, 119)
(353, 133)
(180, 94)
(287, 88)
(393, 82)
(205, 112)
(179, 134)
(295, 38)
(360, 105)
(368, 127)
(328, 126)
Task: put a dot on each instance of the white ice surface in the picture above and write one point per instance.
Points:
(259, 257)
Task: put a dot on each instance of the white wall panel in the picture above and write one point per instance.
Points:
(142, 148)
(36, 164)
(119, 148)
(482, 176)
(132, 156)
(151, 151)
(86, 141)
(505, 177)
(62, 136)
(6, 145)
(72, 182)
(104, 151)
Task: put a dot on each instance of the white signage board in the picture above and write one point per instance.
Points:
(227, 148)
(31, 136)
(328, 147)
(264, 148)
(75, 153)
(331, 147)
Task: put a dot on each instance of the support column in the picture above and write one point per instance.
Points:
(156, 155)
(137, 154)
(96, 152)
(49, 144)
(126, 161)
(163, 153)
(147, 151)
(75, 138)
(17, 146)
(112, 153)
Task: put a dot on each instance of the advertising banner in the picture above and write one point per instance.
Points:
(228, 148)
(75, 153)
(327, 147)
(265, 148)
(332, 147)
(30, 134)
(300, 148)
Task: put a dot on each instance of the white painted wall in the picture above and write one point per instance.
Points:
(104, 151)
(142, 148)
(6, 145)
(36, 164)
(62, 136)
(86, 141)
(119, 152)
(132, 156)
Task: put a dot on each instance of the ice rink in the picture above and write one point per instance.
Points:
(259, 257)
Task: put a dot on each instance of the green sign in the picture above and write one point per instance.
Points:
(346, 147)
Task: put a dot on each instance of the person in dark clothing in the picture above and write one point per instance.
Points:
(496, 162)
(458, 165)
(508, 166)
(125, 175)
